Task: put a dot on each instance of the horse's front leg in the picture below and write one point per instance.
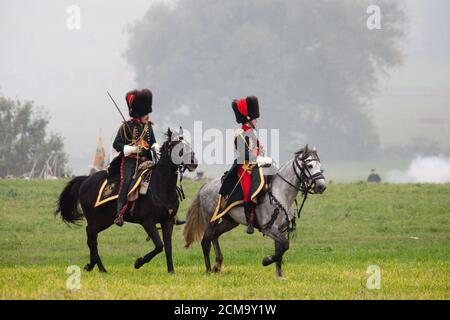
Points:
(167, 229)
(279, 251)
(281, 246)
(150, 228)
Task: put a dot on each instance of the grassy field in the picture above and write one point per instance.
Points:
(403, 229)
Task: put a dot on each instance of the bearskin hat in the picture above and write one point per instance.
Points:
(139, 102)
(246, 109)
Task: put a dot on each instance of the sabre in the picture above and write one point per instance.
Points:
(128, 127)
(117, 107)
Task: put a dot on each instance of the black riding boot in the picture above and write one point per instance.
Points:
(249, 208)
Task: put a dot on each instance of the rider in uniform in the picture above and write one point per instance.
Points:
(135, 141)
(245, 176)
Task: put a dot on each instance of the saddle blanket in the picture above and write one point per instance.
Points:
(109, 189)
(231, 193)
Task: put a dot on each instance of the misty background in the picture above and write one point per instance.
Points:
(365, 98)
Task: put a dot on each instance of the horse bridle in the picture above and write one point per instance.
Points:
(306, 179)
(181, 168)
(305, 186)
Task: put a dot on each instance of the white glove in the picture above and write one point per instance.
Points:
(157, 148)
(263, 161)
(127, 150)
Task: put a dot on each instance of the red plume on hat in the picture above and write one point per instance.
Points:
(139, 102)
(246, 109)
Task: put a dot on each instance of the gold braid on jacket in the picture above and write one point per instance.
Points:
(133, 140)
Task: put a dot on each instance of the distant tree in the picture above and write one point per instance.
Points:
(24, 140)
(313, 64)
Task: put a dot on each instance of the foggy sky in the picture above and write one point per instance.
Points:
(68, 72)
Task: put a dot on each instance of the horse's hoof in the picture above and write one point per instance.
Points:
(216, 269)
(139, 263)
(88, 267)
(267, 261)
(171, 272)
(179, 222)
(102, 269)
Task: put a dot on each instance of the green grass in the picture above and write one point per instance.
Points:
(404, 229)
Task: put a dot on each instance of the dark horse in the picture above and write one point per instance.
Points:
(159, 205)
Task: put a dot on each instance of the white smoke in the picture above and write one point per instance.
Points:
(423, 170)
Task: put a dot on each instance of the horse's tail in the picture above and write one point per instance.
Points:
(68, 201)
(195, 223)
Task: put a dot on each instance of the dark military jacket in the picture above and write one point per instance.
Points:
(132, 133)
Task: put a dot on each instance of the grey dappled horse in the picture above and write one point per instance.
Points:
(302, 173)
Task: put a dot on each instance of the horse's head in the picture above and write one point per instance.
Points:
(179, 150)
(308, 162)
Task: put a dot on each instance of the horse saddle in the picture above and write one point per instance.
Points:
(109, 189)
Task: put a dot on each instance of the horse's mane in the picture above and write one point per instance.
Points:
(163, 173)
(168, 138)
(168, 135)
(304, 152)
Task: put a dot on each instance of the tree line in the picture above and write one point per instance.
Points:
(27, 148)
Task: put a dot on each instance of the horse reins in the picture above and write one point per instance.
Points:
(180, 192)
(181, 170)
(306, 186)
